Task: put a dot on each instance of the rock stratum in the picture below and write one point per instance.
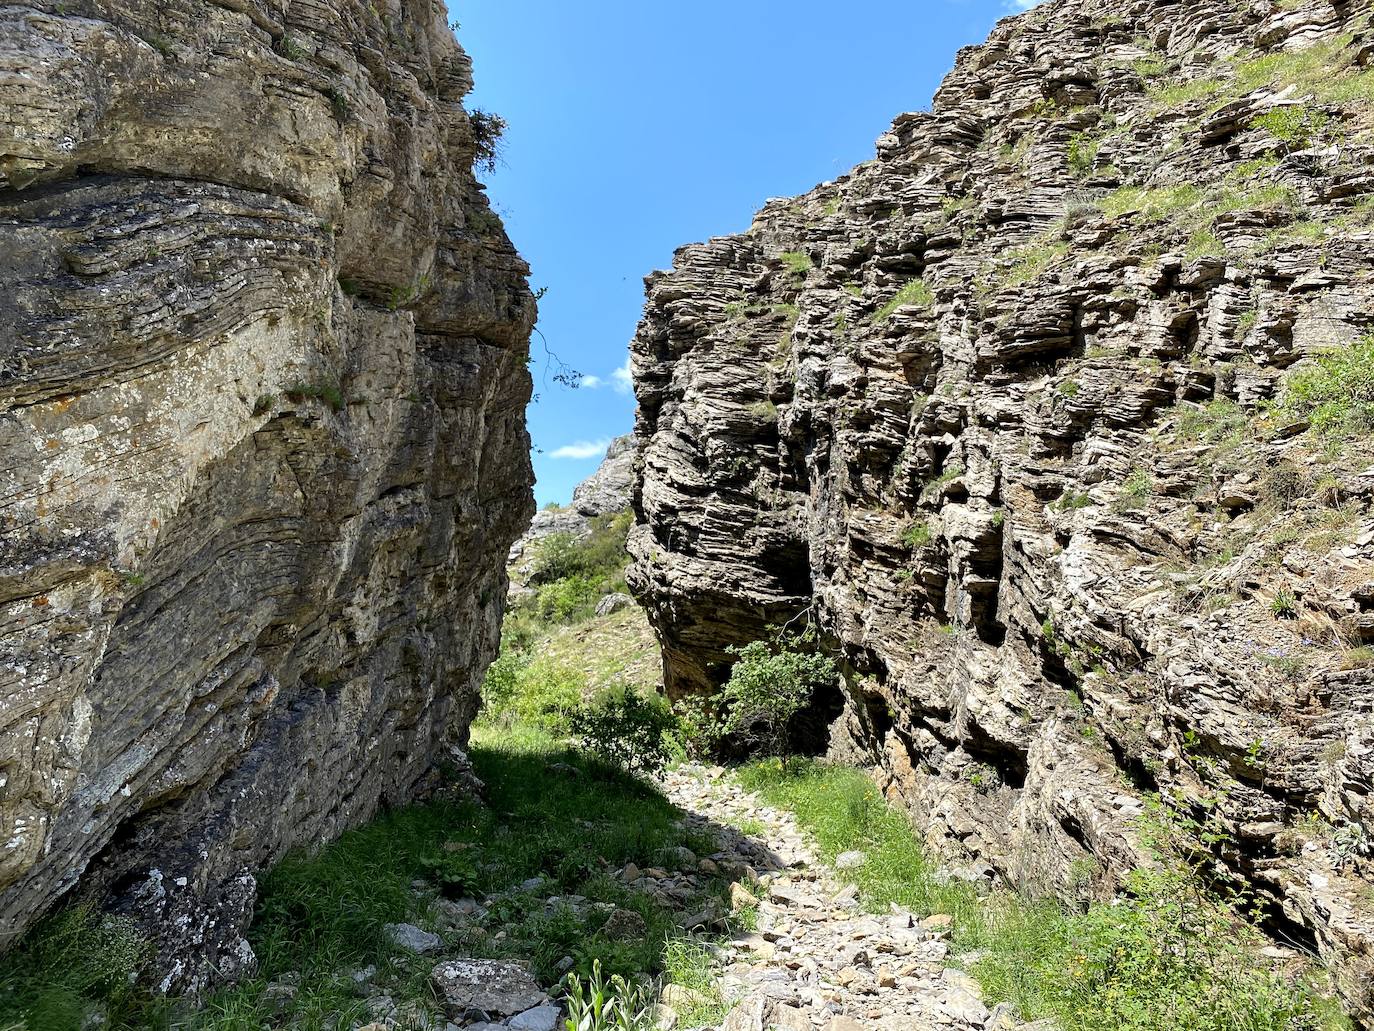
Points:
(1055, 421)
(262, 448)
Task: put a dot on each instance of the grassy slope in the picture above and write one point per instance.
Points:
(322, 916)
(1169, 956)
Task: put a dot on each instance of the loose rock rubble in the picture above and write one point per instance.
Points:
(816, 960)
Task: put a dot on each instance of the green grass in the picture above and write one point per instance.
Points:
(1030, 261)
(915, 295)
(917, 535)
(1336, 394)
(1168, 955)
(322, 914)
(798, 261)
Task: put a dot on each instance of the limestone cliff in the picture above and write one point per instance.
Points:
(1055, 420)
(262, 444)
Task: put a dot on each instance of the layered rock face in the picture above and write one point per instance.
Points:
(1014, 415)
(262, 444)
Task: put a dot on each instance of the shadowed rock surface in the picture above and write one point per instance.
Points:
(1003, 411)
(262, 444)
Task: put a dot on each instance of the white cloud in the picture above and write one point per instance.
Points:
(621, 380)
(592, 383)
(581, 450)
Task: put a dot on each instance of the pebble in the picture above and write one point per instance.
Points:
(413, 939)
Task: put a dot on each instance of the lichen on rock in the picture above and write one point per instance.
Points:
(262, 444)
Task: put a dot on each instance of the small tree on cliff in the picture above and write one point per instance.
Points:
(769, 684)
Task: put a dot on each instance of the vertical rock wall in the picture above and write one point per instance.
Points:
(997, 412)
(262, 449)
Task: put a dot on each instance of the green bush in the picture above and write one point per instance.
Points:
(569, 599)
(502, 682)
(533, 691)
(488, 130)
(571, 574)
(770, 682)
(1336, 395)
(626, 729)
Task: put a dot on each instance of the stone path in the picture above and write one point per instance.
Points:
(816, 960)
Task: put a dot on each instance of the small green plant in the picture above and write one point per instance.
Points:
(264, 404)
(1082, 157)
(1068, 388)
(338, 103)
(1138, 485)
(764, 411)
(289, 48)
(1072, 501)
(409, 293)
(917, 535)
(914, 294)
(328, 394)
(1299, 126)
(1284, 605)
(598, 1003)
(798, 261)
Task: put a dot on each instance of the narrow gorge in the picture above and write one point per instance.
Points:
(975, 633)
(1053, 421)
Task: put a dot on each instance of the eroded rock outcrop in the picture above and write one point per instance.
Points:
(605, 492)
(1004, 413)
(262, 444)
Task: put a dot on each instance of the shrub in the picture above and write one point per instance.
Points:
(769, 684)
(697, 727)
(1337, 393)
(539, 692)
(565, 600)
(572, 573)
(626, 729)
(600, 552)
(917, 535)
(1298, 127)
(502, 680)
(1083, 154)
(327, 393)
(488, 130)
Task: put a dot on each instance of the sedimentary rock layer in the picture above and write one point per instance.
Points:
(262, 445)
(1007, 415)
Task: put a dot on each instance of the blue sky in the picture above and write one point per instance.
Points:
(637, 126)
